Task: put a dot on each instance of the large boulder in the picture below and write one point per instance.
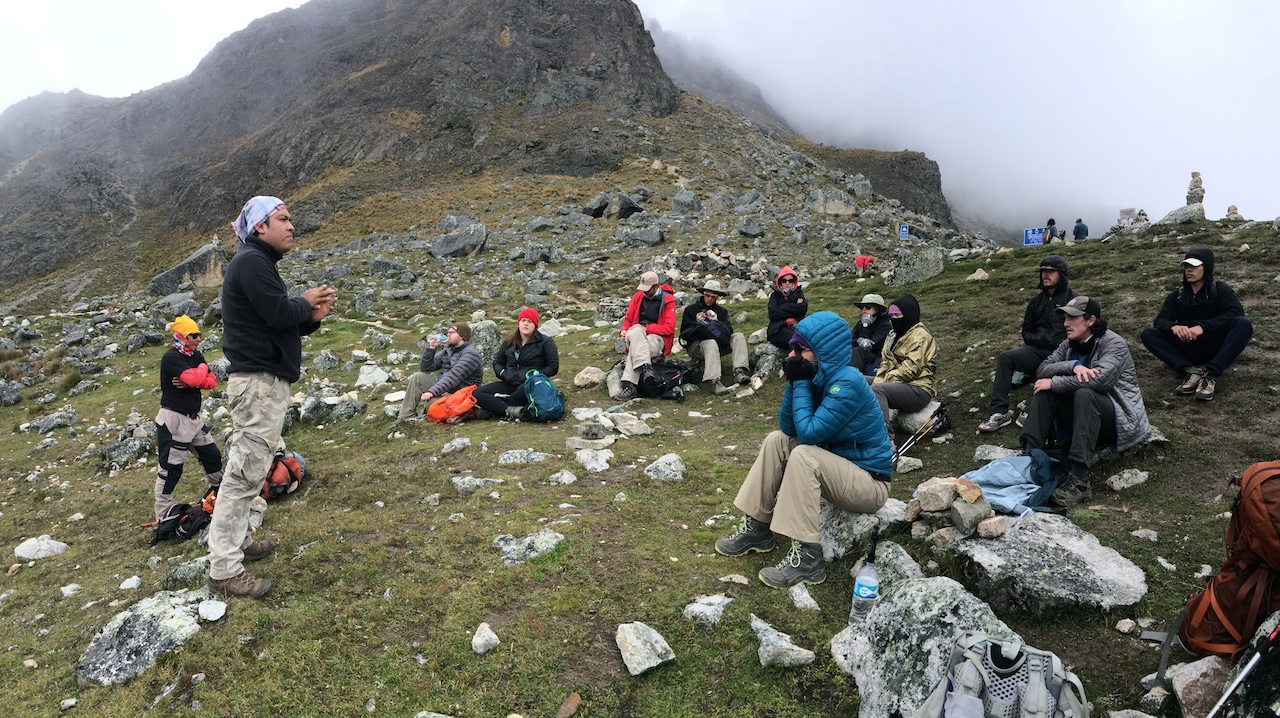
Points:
(177, 304)
(917, 266)
(609, 311)
(839, 531)
(1188, 214)
(465, 242)
(1260, 694)
(203, 269)
(133, 639)
(487, 339)
(832, 201)
(899, 651)
(1047, 563)
(119, 454)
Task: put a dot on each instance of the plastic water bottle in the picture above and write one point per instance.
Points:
(866, 591)
(866, 585)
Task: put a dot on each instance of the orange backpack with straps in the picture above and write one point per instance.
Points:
(452, 408)
(1221, 619)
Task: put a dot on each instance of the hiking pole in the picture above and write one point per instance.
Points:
(938, 419)
(1263, 645)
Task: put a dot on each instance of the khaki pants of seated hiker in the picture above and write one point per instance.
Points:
(419, 382)
(642, 349)
(788, 481)
(258, 401)
(709, 352)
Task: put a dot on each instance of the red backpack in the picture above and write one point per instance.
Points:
(1221, 619)
(284, 476)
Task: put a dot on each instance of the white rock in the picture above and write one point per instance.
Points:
(593, 460)
(38, 548)
(394, 397)
(212, 609)
(485, 639)
(800, 597)
(1126, 625)
(776, 648)
(735, 578)
(563, 477)
(707, 609)
(907, 464)
(131, 583)
(70, 590)
(1147, 534)
(642, 647)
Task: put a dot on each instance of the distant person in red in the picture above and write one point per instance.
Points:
(786, 307)
(863, 263)
(648, 329)
(179, 426)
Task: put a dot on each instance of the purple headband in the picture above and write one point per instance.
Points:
(799, 340)
(253, 213)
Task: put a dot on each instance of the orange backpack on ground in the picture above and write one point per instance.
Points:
(1221, 619)
(452, 408)
(284, 476)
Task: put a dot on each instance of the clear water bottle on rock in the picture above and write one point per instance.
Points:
(866, 586)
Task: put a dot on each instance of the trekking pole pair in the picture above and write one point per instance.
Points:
(938, 420)
(1261, 648)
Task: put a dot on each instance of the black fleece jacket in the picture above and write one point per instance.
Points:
(262, 325)
(1041, 324)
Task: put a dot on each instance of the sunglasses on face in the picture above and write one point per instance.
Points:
(787, 280)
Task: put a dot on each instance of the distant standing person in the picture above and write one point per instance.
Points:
(707, 332)
(1081, 231)
(786, 307)
(458, 362)
(1042, 332)
(1050, 231)
(1201, 329)
(179, 426)
(524, 351)
(262, 330)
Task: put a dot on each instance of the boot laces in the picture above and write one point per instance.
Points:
(793, 557)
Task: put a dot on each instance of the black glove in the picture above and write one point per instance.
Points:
(796, 368)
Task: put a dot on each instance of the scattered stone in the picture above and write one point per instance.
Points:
(516, 551)
(485, 640)
(1050, 563)
(470, 484)
(707, 610)
(575, 443)
(1126, 625)
(1169, 565)
(569, 706)
(642, 647)
(736, 578)
(593, 460)
(212, 610)
(668, 467)
(191, 574)
(978, 276)
(589, 378)
(800, 598)
(1154, 700)
(907, 464)
(630, 424)
(70, 590)
(1147, 534)
(993, 527)
(372, 376)
(130, 584)
(133, 639)
(562, 477)
(776, 648)
(987, 453)
(68, 703)
(1127, 479)
(522, 456)
(38, 548)
(456, 445)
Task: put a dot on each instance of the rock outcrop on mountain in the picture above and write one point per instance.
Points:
(427, 88)
(909, 177)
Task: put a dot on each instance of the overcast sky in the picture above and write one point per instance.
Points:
(1031, 110)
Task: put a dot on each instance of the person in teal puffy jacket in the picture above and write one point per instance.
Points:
(830, 444)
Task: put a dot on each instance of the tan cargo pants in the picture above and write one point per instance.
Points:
(709, 352)
(258, 401)
(789, 480)
(642, 349)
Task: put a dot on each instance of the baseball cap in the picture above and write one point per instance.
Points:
(1193, 261)
(1081, 306)
(647, 280)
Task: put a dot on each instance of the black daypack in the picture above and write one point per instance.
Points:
(663, 381)
(184, 521)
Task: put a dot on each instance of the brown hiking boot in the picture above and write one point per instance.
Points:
(243, 586)
(259, 550)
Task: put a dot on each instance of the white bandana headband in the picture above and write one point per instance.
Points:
(253, 213)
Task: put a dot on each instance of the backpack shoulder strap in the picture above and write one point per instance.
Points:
(1169, 638)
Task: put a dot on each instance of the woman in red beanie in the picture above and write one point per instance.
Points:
(526, 349)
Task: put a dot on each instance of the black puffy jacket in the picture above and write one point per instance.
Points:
(512, 362)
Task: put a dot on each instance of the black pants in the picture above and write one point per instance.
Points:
(1023, 359)
(486, 397)
(1084, 419)
(782, 338)
(173, 455)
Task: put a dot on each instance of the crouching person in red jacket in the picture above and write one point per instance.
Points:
(179, 428)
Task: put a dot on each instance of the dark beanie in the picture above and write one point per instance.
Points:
(464, 330)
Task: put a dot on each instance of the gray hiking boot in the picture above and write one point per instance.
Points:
(751, 536)
(1191, 383)
(802, 564)
(1204, 390)
(1074, 489)
(995, 422)
(719, 389)
(627, 392)
(243, 586)
(740, 376)
(259, 550)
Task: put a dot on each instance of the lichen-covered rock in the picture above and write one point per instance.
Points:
(120, 454)
(191, 574)
(1047, 564)
(776, 648)
(668, 467)
(56, 420)
(1198, 685)
(707, 610)
(918, 265)
(839, 531)
(642, 647)
(519, 550)
(589, 378)
(469, 484)
(133, 639)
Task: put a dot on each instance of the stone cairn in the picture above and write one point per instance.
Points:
(1195, 191)
(945, 509)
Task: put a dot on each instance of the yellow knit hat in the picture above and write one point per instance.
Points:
(185, 326)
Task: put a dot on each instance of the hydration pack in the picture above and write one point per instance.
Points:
(1004, 679)
(545, 401)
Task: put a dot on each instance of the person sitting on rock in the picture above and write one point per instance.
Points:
(1042, 332)
(1080, 232)
(869, 334)
(1086, 396)
(648, 330)
(524, 351)
(706, 332)
(459, 365)
(830, 446)
(905, 379)
(179, 426)
(786, 307)
(1201, 329)
(1050, 231)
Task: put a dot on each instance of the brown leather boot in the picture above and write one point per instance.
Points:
(243, 586)
(259, 550)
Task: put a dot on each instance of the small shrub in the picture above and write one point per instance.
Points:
(70, 380)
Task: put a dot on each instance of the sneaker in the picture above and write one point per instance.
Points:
(1204, 390)
(627, 392)
(515, 413)
(802, 564)
(740, 376)
(1021, 421)
(719, 389)
(1190, 384)
(259, 550)
(243, 586)
(995, 422)
(751, 536)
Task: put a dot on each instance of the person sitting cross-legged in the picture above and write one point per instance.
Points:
(1086, 396)
(707, 333)
(905, 380)
(830, 446)
(525, 350)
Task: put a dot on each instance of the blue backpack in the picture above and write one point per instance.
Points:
(546, 402)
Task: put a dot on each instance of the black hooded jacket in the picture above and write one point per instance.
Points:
(1213, 307)
(1041, 324)
(262, 325)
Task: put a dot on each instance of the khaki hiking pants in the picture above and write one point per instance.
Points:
(709, 352)
(642, 349)
(419, 382)
(258, 401)
(789, 480)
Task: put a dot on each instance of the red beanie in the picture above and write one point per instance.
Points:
(531, 314)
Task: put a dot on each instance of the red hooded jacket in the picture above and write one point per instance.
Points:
(665, 327)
